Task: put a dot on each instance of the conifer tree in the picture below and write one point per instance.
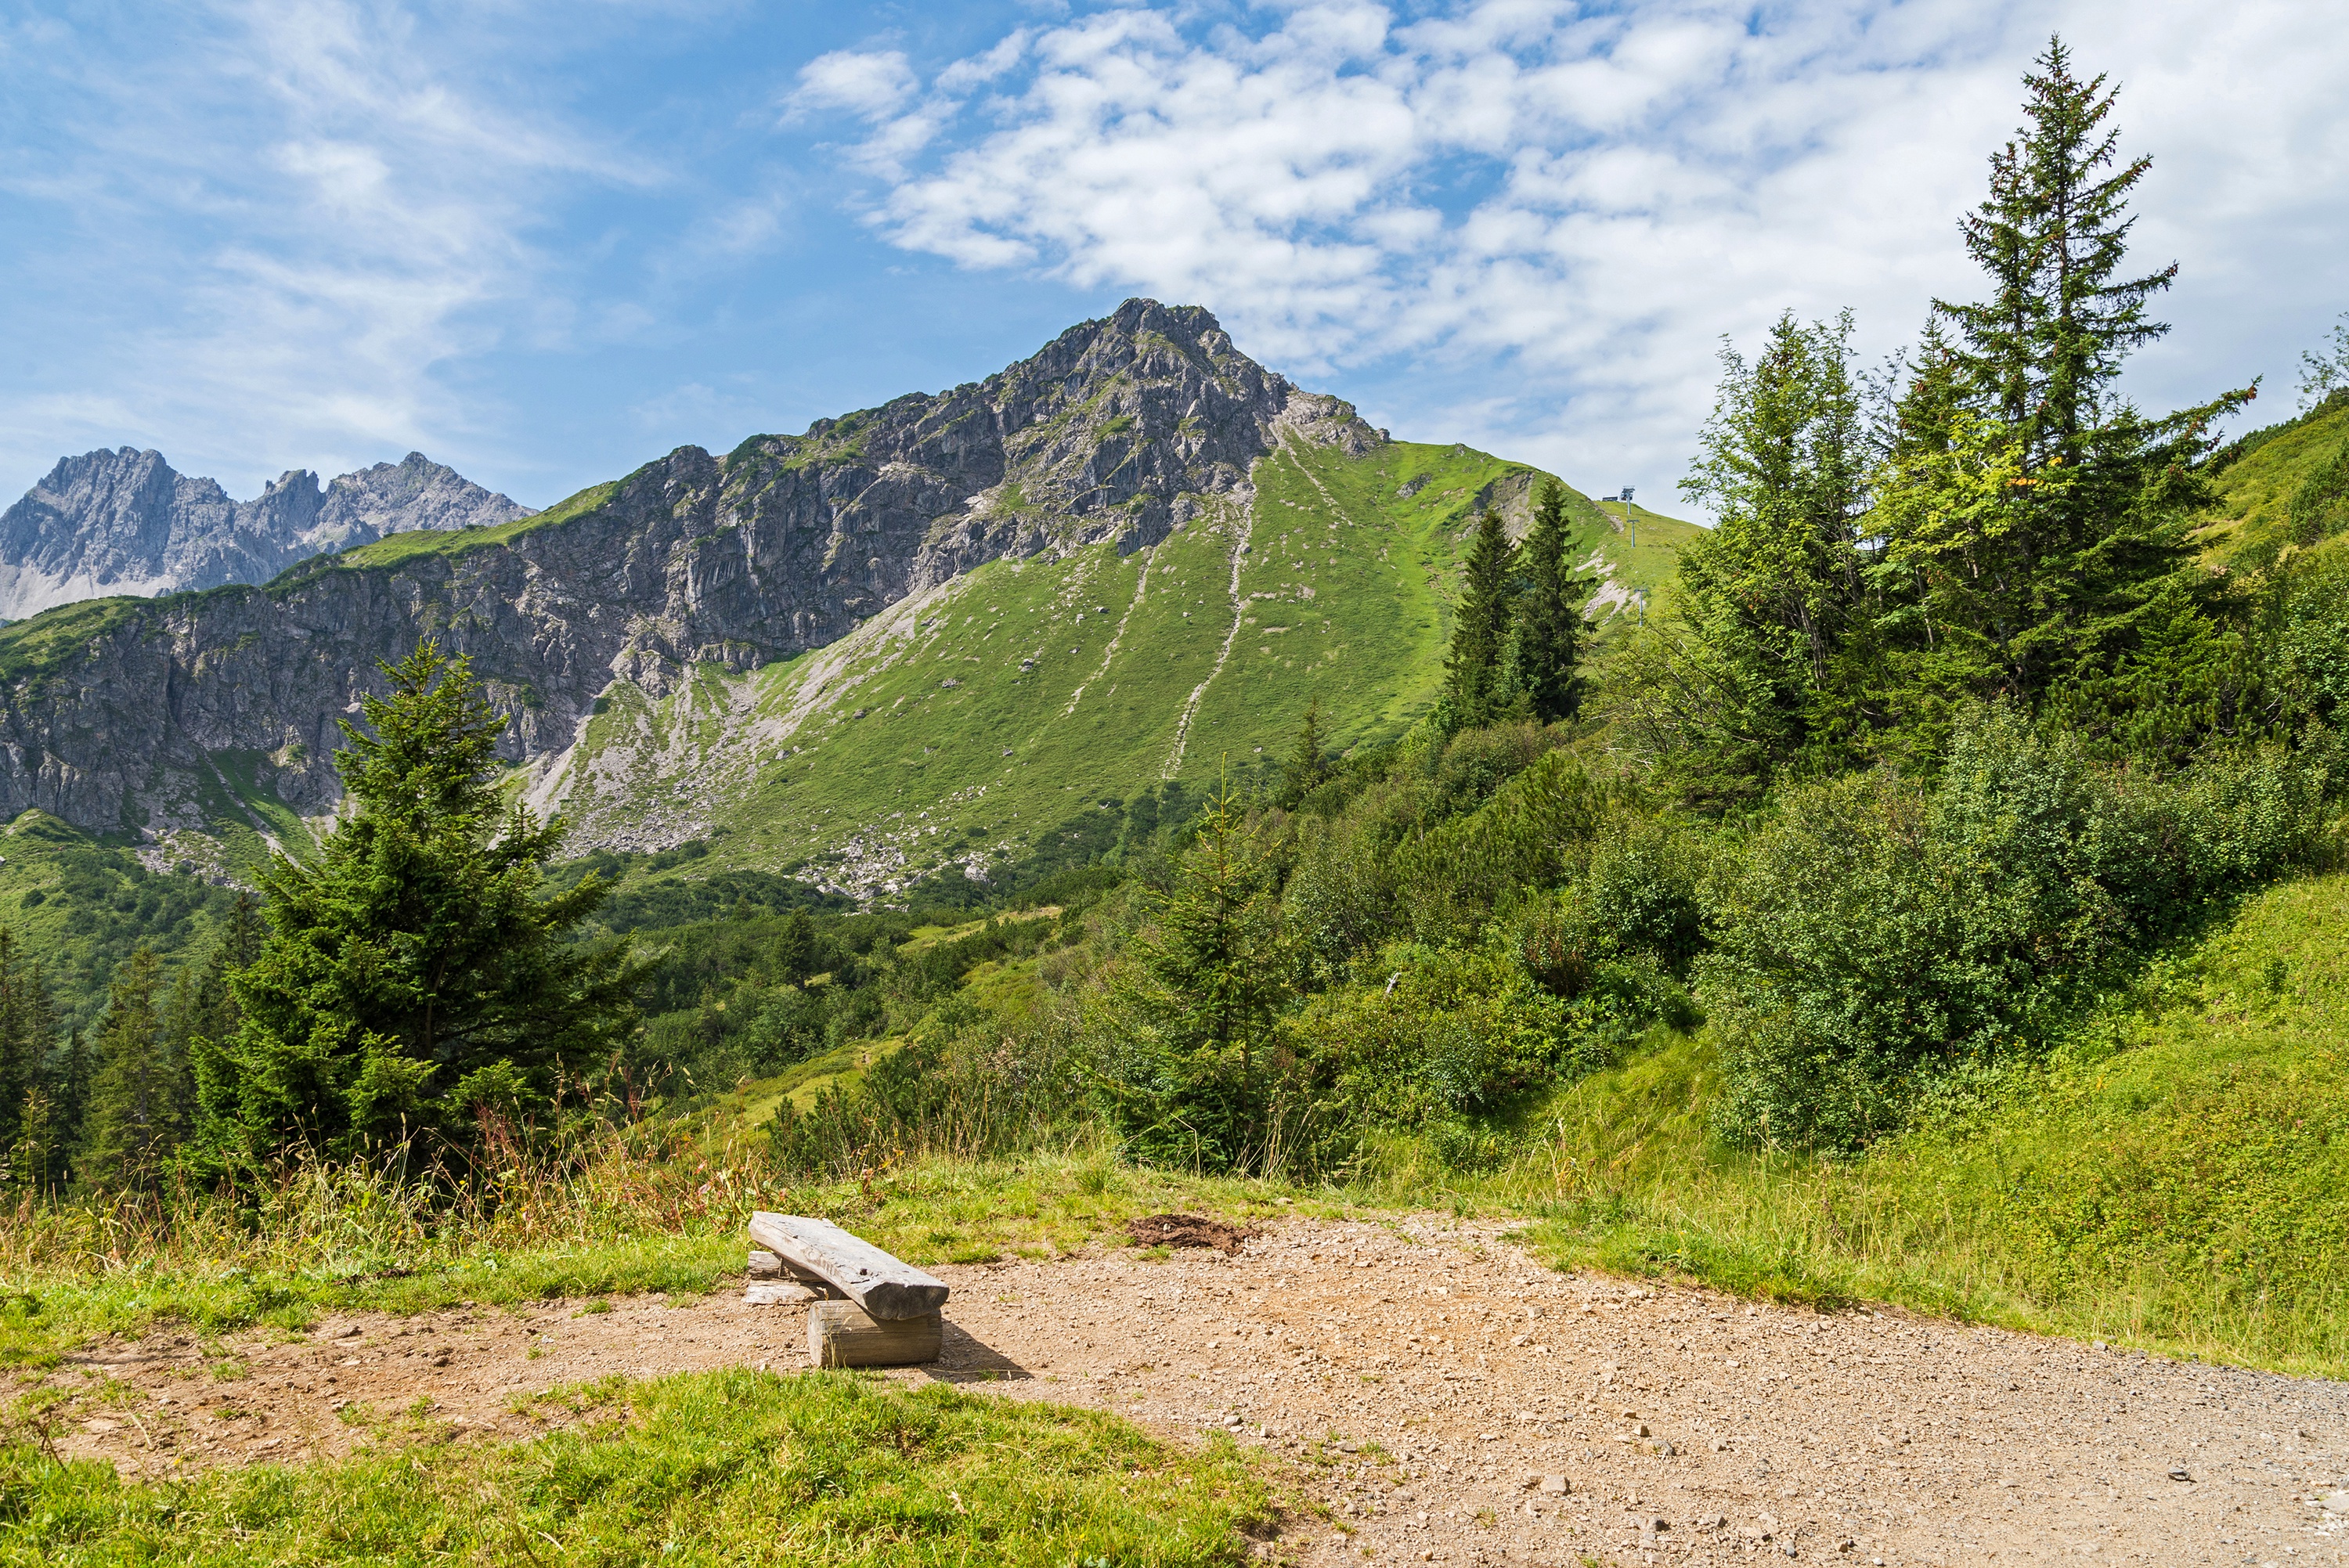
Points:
(1474, 685)
(416, 964)
(1768, 600)
(1547, 642)
(67, 1088)
(1306, 767)
(32, 1154)
(203, 1016)
(1212, 971)
(795, 947)
(2052, 237)
(23, 1033)
(2041, 527)
(131, 1129)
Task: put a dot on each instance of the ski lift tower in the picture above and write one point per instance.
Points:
(1630, 531)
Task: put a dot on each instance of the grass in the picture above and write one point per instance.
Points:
(398, 549)
(641, 1215)
(728, 1467)
(2175, 1176)
(2171, 1176)
(2255, 494)
(81, 906)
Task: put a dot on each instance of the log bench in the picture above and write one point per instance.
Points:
(876, 1310)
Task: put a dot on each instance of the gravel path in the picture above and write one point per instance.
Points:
(1437, 1386)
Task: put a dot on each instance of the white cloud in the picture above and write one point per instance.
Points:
(1517, 222)
(321, 206)
(872, 83)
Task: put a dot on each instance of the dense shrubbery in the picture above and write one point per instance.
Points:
(1875, 927)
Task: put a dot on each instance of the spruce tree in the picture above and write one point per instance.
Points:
(1306, 767)
(131, 1127)
(416, 962)
(24, 1042)
(66, 1081)
(2051, 238)
(795, 949)
(203, 1017)
(2040, 528)
(32, 1154)
(1547, 642)
(1475, 688)
(1211, 972)
(1767, 644)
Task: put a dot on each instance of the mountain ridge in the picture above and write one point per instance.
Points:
(644, 642)
(124, 522)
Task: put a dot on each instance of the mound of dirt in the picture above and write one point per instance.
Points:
(1189, 1230)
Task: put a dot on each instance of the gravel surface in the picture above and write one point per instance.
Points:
(1435, 1389)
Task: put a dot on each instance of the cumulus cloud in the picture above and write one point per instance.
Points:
(1525, 222)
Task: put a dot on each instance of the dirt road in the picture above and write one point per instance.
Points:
(1449, 1375)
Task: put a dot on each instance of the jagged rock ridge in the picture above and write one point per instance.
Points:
(1118, 430)
(122, 522)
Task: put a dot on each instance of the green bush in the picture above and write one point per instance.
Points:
(1875, 931)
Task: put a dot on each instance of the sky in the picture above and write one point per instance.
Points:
(547, 242)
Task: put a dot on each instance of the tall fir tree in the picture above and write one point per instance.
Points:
(66, 1085)
(416, 965)
(203, 1016)
(25, 1033)
(136, 1098)
(1475, 685)
(1765, 648)
(1546, 645)
(2043, 520)
(2052, 237)
(1214, 968)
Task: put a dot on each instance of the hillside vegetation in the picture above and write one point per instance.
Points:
(1935, 893)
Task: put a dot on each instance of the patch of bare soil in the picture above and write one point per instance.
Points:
(1188, 1230)
(1688, 1427)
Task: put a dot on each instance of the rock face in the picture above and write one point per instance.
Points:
(1118, 430)
(124, 522)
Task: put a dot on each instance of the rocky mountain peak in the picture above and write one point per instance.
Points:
(123, 522)
(1122, 430)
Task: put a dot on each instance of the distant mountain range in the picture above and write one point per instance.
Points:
(922, 640)
(110, 522)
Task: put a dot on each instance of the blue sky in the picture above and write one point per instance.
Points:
(546, 242)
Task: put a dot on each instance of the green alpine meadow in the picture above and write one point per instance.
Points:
(1908, 876)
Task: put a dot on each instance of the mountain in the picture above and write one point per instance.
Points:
(921, 637)
(124, 522)
(2285, 487)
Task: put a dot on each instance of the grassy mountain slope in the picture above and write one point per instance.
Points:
(2257, 477)
(2172, 1176)
(964, 726)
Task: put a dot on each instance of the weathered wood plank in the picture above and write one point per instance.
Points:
(842, 1334)
(783, 1293)
(887, 1288)
(762, 1264)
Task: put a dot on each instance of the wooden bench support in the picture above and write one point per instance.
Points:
(842, 1334)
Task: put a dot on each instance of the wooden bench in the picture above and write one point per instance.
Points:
(890, 1312)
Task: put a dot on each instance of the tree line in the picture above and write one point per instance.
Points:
(1985, 519)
